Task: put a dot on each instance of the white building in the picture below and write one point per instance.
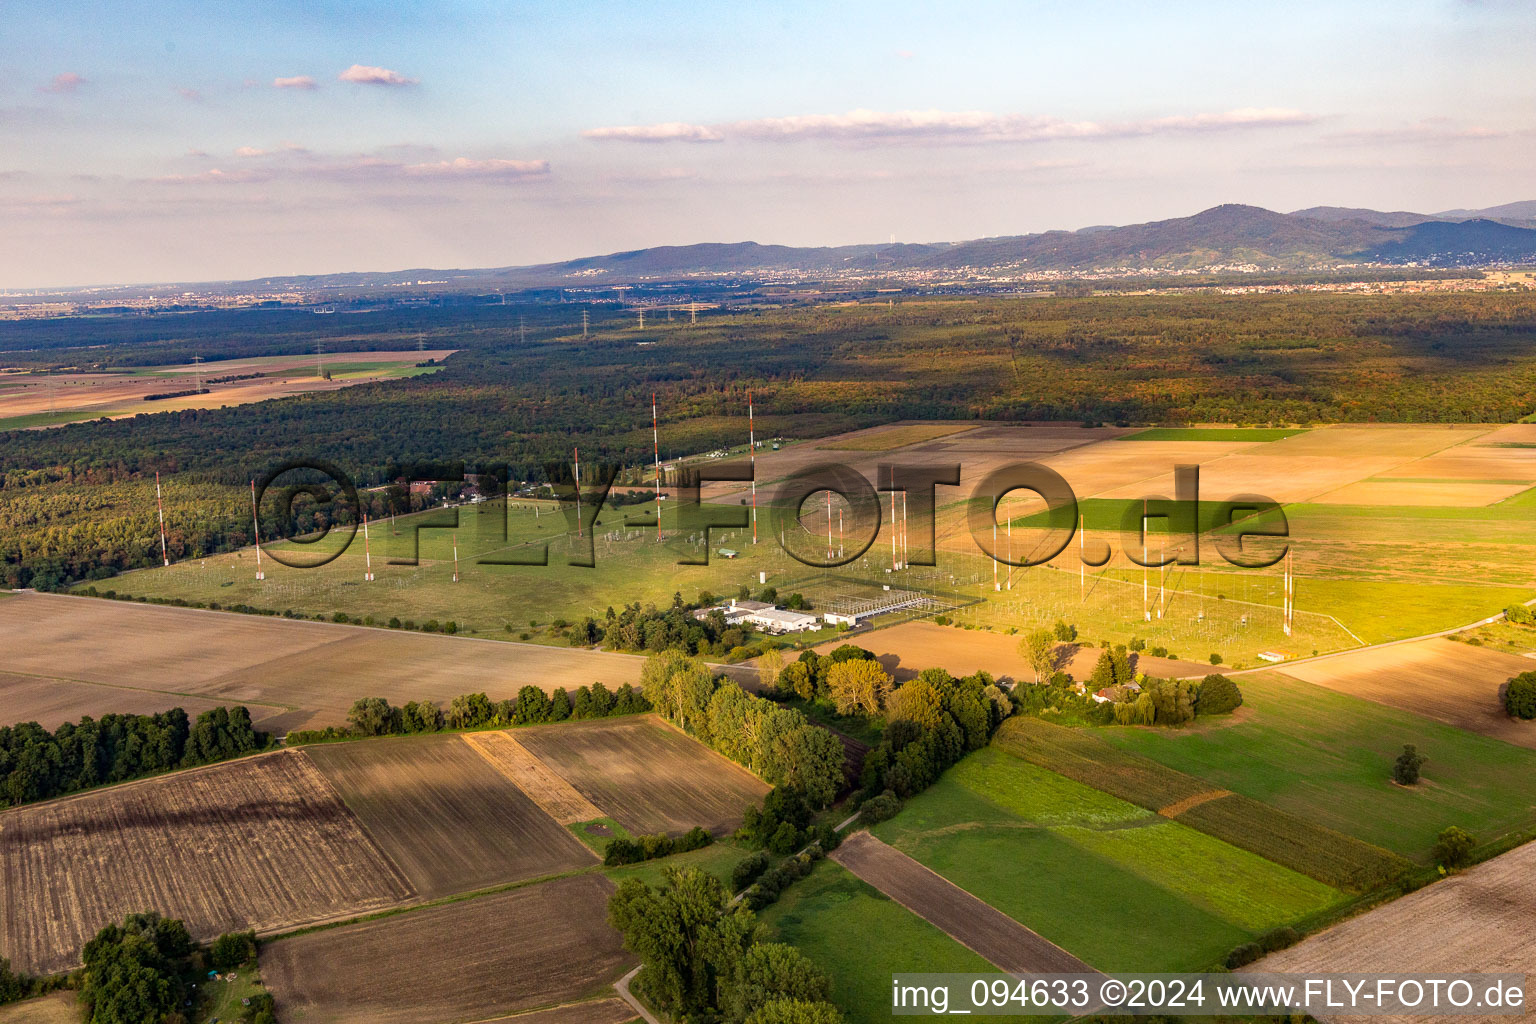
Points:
(762, 615)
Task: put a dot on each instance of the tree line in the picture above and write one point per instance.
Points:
(777, 744)
(704, 961)
(376, 716)
(36, 764)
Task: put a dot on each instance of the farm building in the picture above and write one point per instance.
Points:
(763, 615)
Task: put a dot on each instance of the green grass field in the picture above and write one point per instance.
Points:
(1327, 757)
(860, 937)
(1106, 880)
(1292, 840)
(718, 859)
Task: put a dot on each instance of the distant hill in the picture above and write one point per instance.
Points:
(1227, 238)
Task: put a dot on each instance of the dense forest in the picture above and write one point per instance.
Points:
(526, 386)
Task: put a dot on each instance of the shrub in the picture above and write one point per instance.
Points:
(1405, 772)
(784, 839)
(621, 851)
(1520, 696)
(1244, 955)
(748, 871)
(1217, 695)
(1216, 659)
(1454, 847)
(878, 809)
(1519, 614)
(1279, 938)
(231, 950)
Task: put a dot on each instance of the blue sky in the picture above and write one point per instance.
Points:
(195, 141)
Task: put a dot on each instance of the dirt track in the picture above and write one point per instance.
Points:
(974, 924)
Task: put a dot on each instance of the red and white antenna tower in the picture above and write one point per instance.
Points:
(367, 554)
(455, 556)
(1082, 560)
(1290, 594)
(160, 510)
(904, 529)
(1162, 575)
(656, 449)
(1146, 612)
(752, 447)
(895, 529)
(256, 532)
(829, 525)
(576, 452)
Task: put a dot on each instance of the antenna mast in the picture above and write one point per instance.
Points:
(367, 554)
(656, 450)
(455, 556)
(256, 532)
(752, 448)
(577, 454)
(160, 510)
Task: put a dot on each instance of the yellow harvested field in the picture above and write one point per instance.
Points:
(1462, 494)
(1392, 440)
(117, 395)
(1478, 921)
(1451, 682)
(556, 797)
(52, 702)
(290, 673)
(891, 436)
(260, 843)
(54, 1008)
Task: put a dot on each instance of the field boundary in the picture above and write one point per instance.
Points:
(555, 796)
(1178, 807)
(1025, 951)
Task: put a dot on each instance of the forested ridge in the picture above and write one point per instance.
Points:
(523, 398)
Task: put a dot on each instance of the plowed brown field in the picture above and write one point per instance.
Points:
(259, 843)
(450, 821)
(531, 947)
(646, 775)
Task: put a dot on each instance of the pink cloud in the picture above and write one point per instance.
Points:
(463, 167)
(944, 126)
(668, 131)
(303, 82)
(191, 95)
(69, 81)
(364, 74)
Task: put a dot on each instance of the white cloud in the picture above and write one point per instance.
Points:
(670, 131)
(463, 167)
(250, 151)
(69, 81)
(363, 74)
(212, 176)
(296, 82)
(966, 126)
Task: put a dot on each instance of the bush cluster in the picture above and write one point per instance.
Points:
(633, 851)
(781, 876)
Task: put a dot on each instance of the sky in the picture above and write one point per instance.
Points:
(181, 141)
